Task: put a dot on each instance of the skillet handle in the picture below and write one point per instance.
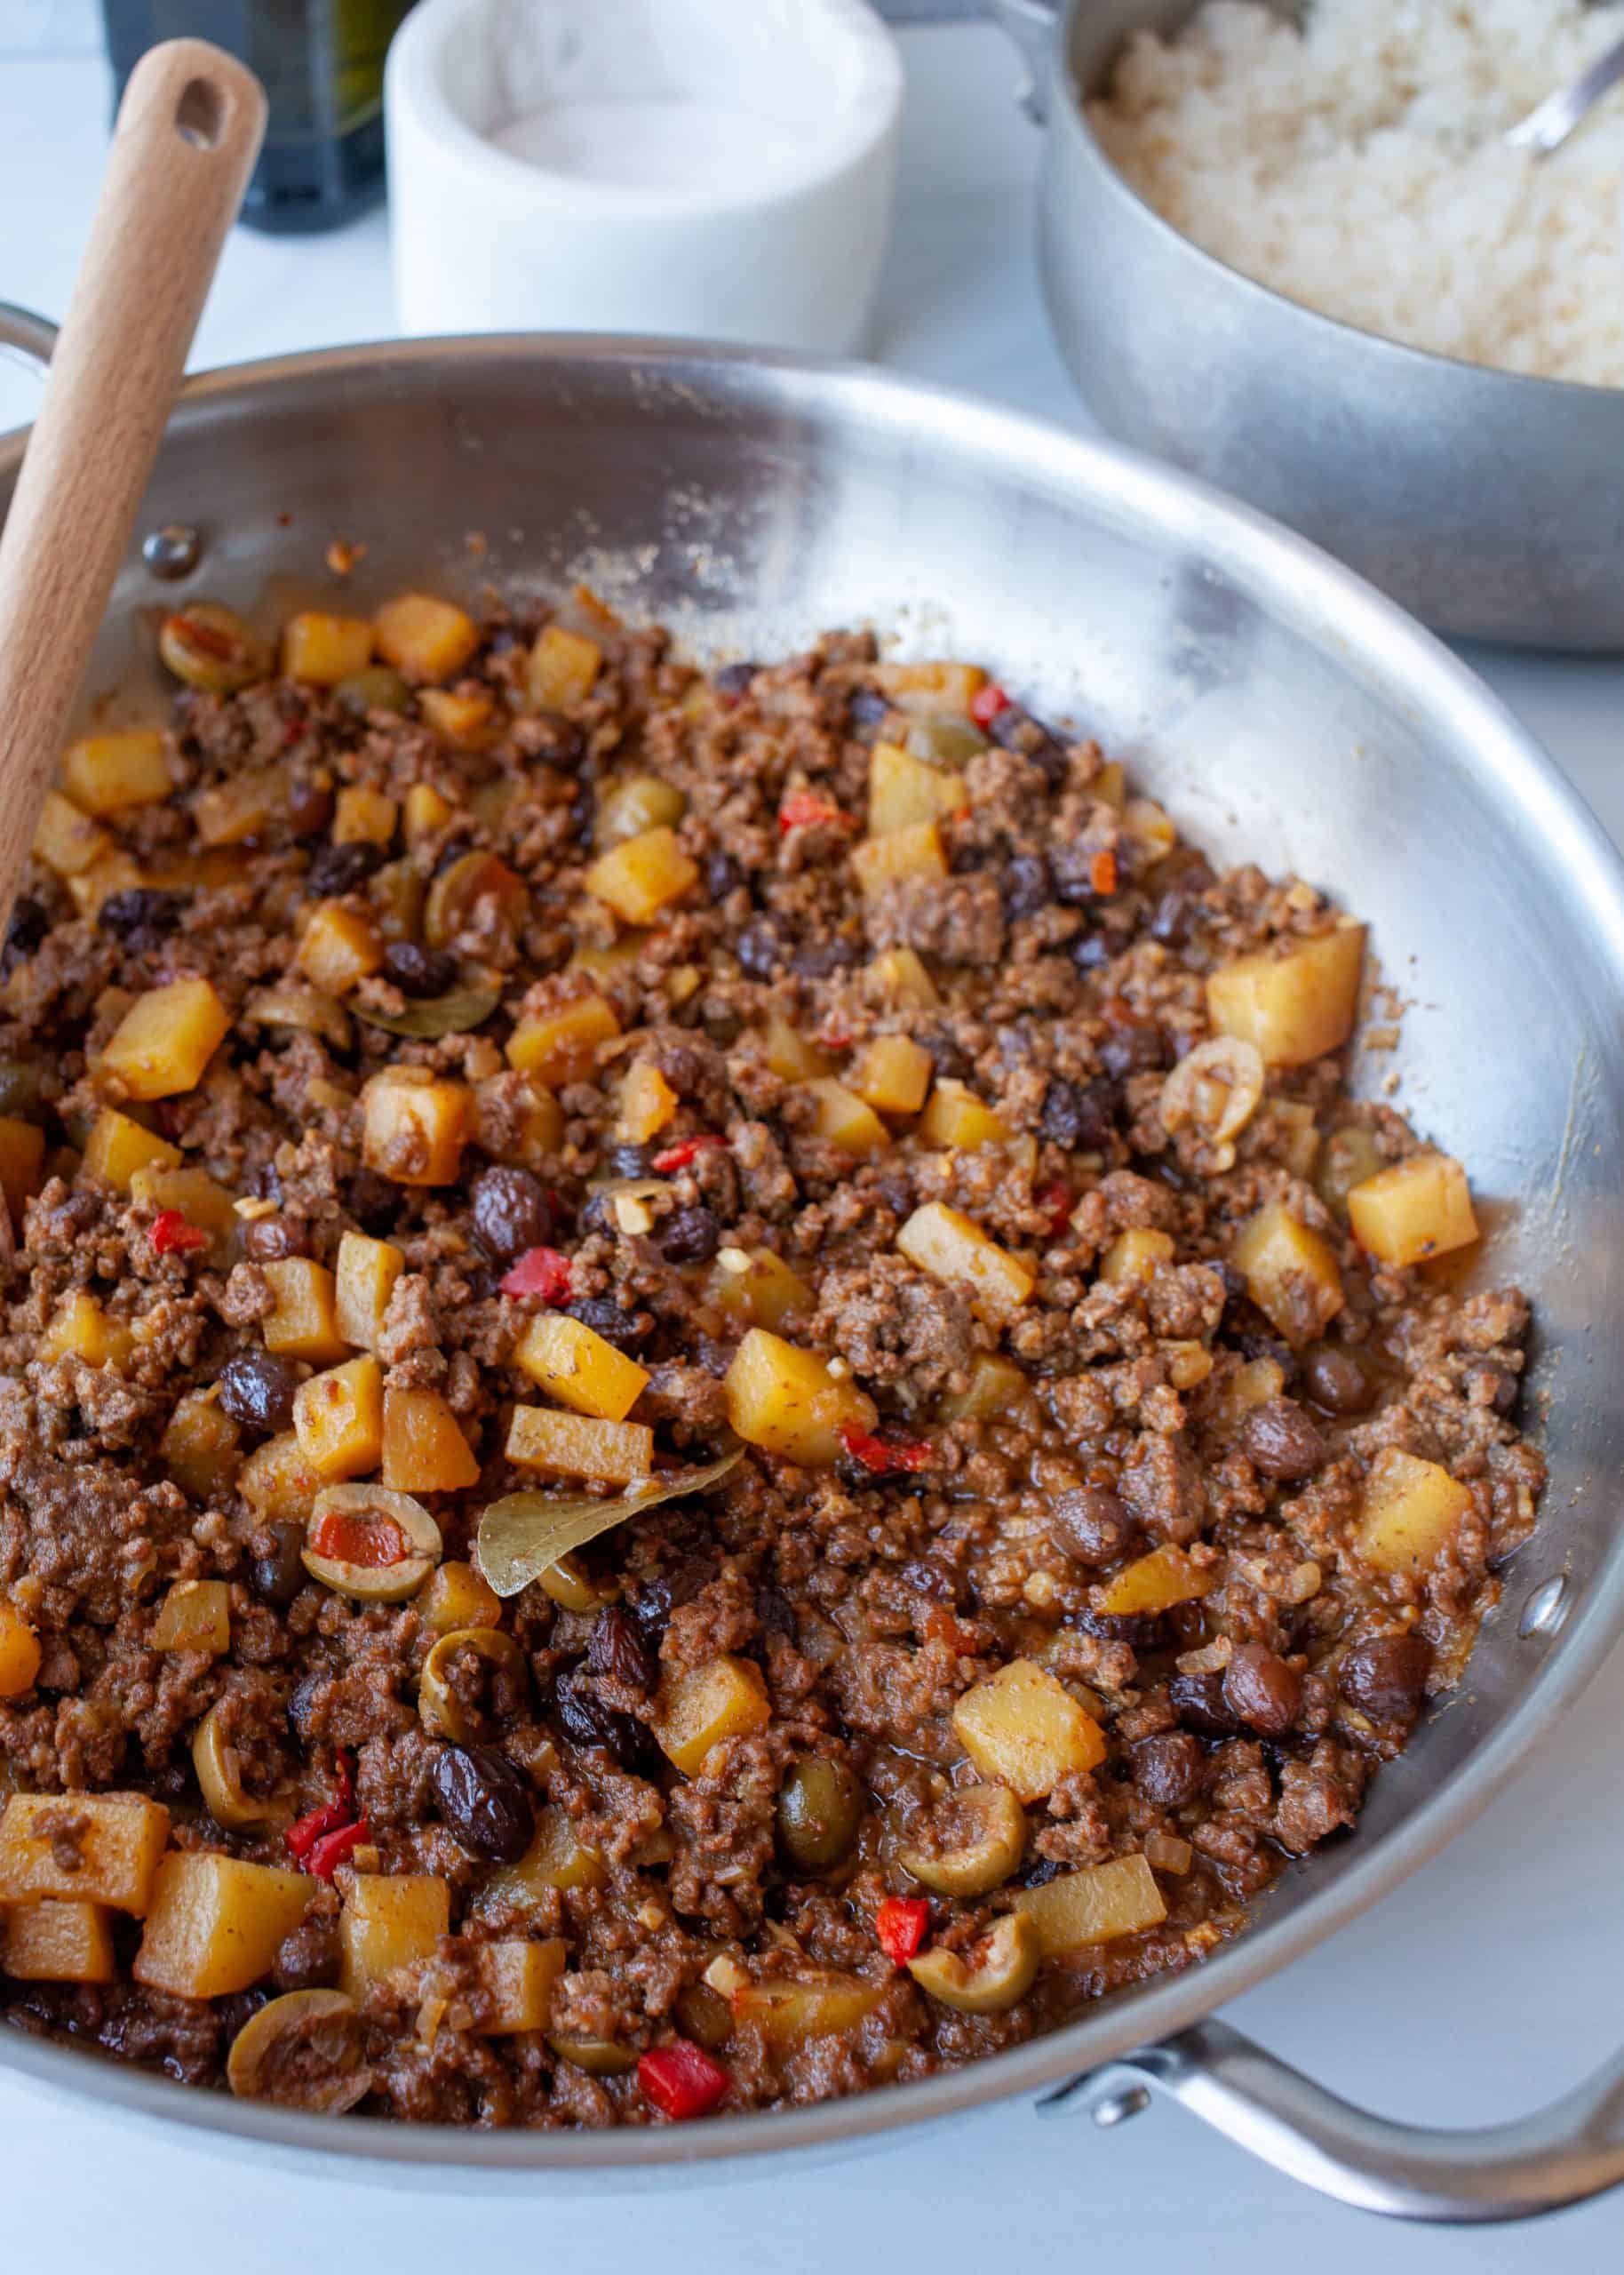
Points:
(1569, 2150)
(26, 337)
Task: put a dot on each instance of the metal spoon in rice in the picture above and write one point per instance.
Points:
(1547, 127)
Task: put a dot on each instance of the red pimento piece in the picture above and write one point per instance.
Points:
(302, 1836)
(679, 1156)
(681, 2080)
(1102, 872)
(987, 702)
(372, 1543)
(883, 1456)
(540, 1272)
(1057, 1202)
(900, 1924)
(334, 1849)
(171, 1234)
(802, 809)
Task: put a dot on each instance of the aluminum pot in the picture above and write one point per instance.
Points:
(1490, 505)
(750, 501)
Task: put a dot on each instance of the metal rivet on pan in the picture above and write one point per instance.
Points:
(1546, 1608)
(172, 551)
(1116, 2109)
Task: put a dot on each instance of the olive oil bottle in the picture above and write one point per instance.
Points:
(321, 63)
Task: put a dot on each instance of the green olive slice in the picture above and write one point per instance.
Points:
(303, 2050)
(302, 1010)
(440, 1015)
(378, 688)
(979, 1840)
(438, 1708)
(473, 882)
(820, 1812)
(220, 1780)
(393, 1543)
(600, 2057)
(999, 1971)
(210, 647)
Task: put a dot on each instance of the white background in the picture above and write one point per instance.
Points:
(1491, 1981)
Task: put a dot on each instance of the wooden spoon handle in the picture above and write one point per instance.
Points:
(188, 132)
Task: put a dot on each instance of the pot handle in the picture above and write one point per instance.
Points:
(1571, 2150)
(1033, 25)
(26, 337)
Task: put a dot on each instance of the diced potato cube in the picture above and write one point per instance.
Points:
(883, 862)
(457, 1596)
(786, 1400)
(1135, 1255)
(79, 1329)
(1094, 1906)
(366, 1273)
(955, 1117)
(904, 791)
(242, 806)
(926, 688)
(516, 1982)
(1411, 1509)
(425, 810)
(556, 1858)
(19, 1652)
(325, 649)
(217, 1923)
(790, 1056)
(1156, 1582)
(561, 1045)
(277, 1482)
(67, 839)
(195, 1615)
(339, 947)
(114, 872)
(1291, 1273)
(641, 801)
(580, 1367)
(414, 1126)
(996, 1384)
(424, 1450)
(112, 1840)
(364, 817)
(22, 1152)
(1414, 1209)
(563, 668)
(842, 1118)
(893, 1075)
(642, 876)
(389, 1922)
(424, 637)
(165, 1040)
(646, 1102)
(1296, 1007)
(465, 722)
(1023, 1728)
(200, 1445)
(580, 1445)
(764, 1293)
(107, 774)
(62, 1940)
(897, 976)
(304, 1324)
(724, 1698)
(789, 2013)
(516, 1120)
(338, 1419)
(945, 1243)
(118, 1147)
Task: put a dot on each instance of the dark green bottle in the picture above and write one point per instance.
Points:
(321, 63)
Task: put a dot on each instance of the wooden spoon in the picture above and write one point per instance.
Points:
(188, 132)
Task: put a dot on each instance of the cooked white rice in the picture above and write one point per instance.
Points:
(1357, 166)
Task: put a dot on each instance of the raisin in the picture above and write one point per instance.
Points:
(1016, 730)
(1282, 1441)
(1081, 1116)
(486, 1801)
(256, 1390)
(626, 1330)
(1336, 1381)
(631, 1161)
(1027, 886)
(865, 706)
(722, 874)
(817, 958)
(309, 1960)
(271, 1240)
(1178, 911)
(734, 679)
(141, 917)
(1166, 1770)
(338, 869)
(1138, 1047)
(28, 925)
(310, 806)
(371, 1200)
(587, 1721)
(276, 1566)
(1090, 1524)
(418, 971)
(617, 1648)
(690, 1236)
(1199, 1703)
(1260, 1690)
(1387, 1677)
(759, 950)
(512, 1212)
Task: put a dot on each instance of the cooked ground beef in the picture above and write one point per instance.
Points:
(522, 1064)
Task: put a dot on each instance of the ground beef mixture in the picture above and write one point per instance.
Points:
(481, 1061)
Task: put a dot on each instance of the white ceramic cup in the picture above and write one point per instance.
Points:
(767, 224)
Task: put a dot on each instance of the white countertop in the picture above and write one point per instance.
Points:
(1488, 1983)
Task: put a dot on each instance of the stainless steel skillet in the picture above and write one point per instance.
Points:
(1288, 714)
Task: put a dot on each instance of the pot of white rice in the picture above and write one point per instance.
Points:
(1290, 251)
